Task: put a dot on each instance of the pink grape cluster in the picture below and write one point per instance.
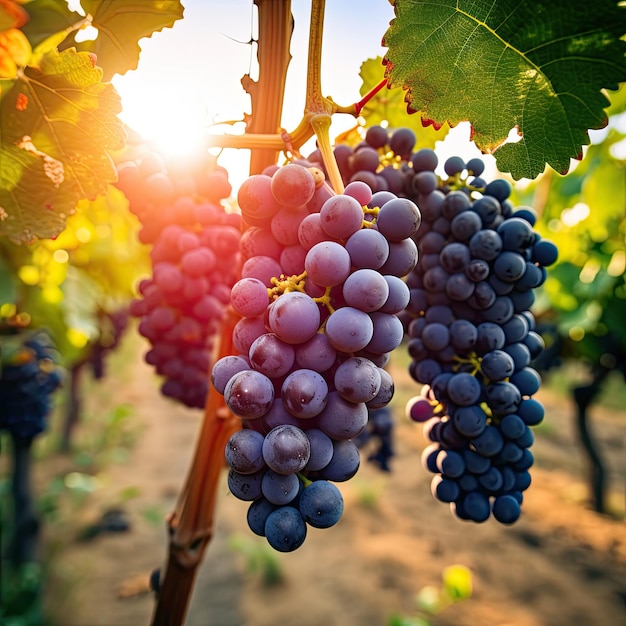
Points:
(319, 295)
(195, 262)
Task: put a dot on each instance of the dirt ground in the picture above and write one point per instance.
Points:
(560, 564)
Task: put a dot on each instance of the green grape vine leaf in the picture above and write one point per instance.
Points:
(388, 106)
(540, 66)
(121, 24)
(58, 125)
(47, 18)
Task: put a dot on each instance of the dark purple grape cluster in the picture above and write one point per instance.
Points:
(111, 325)
(29, 375)
(381, 160)
(195, 261)
(321, 287)
(472, 339)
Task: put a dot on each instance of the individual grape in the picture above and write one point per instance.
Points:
(499, 189)
(402, 258)
(310, 232)
(485, 244)
(420, 409)
(246, 487)
(387, 333)
(285, 529)
(424, 159)
(516, 234)
(344, 464)
(244, 452)
(475, 166)
(249, 297)
(249, 394)
(531, 411)
(271, 356)
(256, 201)
(327, 264)
(279, 489)
(376, 136)
(366, 290)
(506, 509)
(246, 331)
(453, 165)
(294, 317)
(286, 449)
(435, 336)
(365, 159)
(285, 225)
(544, 252)
(263, 268)
(488, 209)
(257, 515)
(292, 186)
(527, 380)
(321, 449)
(304, 393)
(399, 295)
(497, 365)
(465, 225)
(341, 419)
(476, 506)
(489, 442)
(349, 330)
(464, 389)
(316, 354)
(341, 216)
(402, 141)
(321, 504)
(368, 249)
(398, 219)
(359, 191)
(357, 380)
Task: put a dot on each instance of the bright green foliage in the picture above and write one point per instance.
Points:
(388, 106)
(121, 24)
(537, 65)
(58, 123)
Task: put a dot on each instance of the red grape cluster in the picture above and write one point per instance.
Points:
(319, 295)
(195, 261)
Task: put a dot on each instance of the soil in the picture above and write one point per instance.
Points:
(560, 564)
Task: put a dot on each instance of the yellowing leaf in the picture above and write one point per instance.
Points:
(12, 15)
(14, 52)
(121, 24)
(59, 123)
(388, 106)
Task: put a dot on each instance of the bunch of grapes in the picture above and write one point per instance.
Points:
(195, 261)
(381, 160)
(472, 336)
(319, 296)
(29, 375)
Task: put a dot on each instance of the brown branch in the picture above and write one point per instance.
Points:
(267, 94)
(191, 525)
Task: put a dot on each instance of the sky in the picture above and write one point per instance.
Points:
(189, 75)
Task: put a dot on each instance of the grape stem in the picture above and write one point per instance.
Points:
(317, 115)
(369, 95)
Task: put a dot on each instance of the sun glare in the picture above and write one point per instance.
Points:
(175, 122)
